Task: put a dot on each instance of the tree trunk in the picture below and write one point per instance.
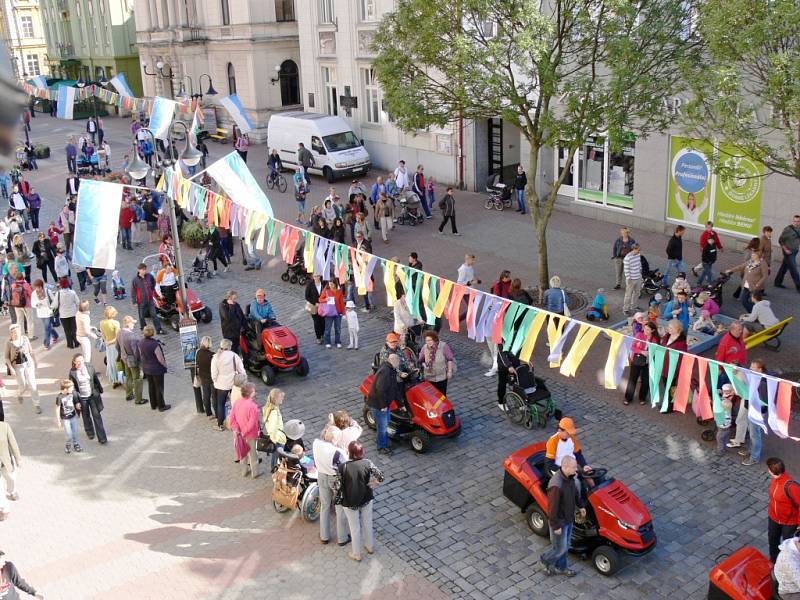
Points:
(544, 269)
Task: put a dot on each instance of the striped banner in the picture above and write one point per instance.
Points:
(97, 224)
(66, 101)
(237, 112)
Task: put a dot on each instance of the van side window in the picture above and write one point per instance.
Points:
(316, 145)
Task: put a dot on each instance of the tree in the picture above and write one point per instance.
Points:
(571, 70)
(746, 85)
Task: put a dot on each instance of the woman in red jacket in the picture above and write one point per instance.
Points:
(784, 506)
(331, 308)
(673, 339)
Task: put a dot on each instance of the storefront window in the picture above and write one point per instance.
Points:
(591, 184)
(602, 176)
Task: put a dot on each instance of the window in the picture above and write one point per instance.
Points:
(603, 176)
(316, 145)
(226, 13)
(78, 8)
(369, 11)
(26, 25)
(231, 79)
(326, 11)
(284, 10)
(346, 140)
(90, 7)
(102, 6)
(32, 64)
(290, 83)
(372, 102)
(329, 77)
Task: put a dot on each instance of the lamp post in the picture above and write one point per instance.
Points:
(101, 82)
(138, 169)
(211, 91)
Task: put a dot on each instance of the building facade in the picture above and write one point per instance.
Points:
(243, 47)
(24, 34)
(338, 79)
(92, 40)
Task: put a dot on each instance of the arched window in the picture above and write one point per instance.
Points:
(226, 13)
(231, 79)
(290, 83)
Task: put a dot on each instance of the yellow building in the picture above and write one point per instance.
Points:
(23, 31)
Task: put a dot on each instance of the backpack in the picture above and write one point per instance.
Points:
(18, 297)
(442, 203)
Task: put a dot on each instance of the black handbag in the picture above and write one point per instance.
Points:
(264, 444)
(737, 292)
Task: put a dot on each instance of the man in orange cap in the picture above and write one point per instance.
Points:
(392, 346)
(563, 443)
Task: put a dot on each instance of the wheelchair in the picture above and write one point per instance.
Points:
(528, 401)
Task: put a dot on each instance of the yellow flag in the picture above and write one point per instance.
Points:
(388, 283)
(308, 252)
(616, 342)
(530, 337)
(441, 300)
(586, 336)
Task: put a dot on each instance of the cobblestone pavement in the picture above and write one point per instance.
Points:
(162, 511)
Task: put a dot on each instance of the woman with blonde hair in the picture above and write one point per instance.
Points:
(272, 419)
(84, 331)
(20, 360)
(109, 329)
(202, 374)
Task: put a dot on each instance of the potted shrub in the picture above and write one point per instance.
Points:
(42, 151)
(194, 233)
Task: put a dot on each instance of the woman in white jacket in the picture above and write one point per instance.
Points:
(403, 320)
(83, 331)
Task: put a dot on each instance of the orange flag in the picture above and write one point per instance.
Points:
(684, 385)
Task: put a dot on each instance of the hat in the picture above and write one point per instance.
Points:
(350, 304)
(727, 387)
(568, 425)
(294, 429)
(681, 275)
(392, 337)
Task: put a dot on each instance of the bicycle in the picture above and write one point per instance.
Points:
(277, 180)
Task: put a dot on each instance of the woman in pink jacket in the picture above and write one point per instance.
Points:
(244, 421)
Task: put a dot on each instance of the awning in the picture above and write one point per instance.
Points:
(61, 82)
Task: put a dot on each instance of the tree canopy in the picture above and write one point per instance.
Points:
(562, 70)
(746, 85)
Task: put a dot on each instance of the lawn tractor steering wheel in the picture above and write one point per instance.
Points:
(595, 473)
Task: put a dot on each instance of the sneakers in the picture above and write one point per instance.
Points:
(327, 345)
(733, 444)
(744, 452)
(78, 448)
(491, 372)
(502, 407)
(338, 345)
(386, 451)
(349, 346)
(749, 461)
(67, 449)
(566, 572)
(617, 287)
(38, 410)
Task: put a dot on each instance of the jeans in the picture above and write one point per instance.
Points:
(707, 274)
(359, 520)
(789, 263)
(35, 217)
(521, 200)
(381, 424)
(133, 382)
(746, 299)
(93, 420)
(220, 398)
(72, 164)
(126, 237)
(50, 264)
(326, 501)
(206, 391)
(723, 435)
(776, 533)
(755, 441)
(557, 555)
(71, 430)
(424, 201)
(112, 374)
(149, 310)
(336, 322)
(673, 264)
(49, 331)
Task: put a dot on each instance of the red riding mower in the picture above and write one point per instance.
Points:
(271, 348)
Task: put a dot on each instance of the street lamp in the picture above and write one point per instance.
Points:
(211, 91)
(138, 169)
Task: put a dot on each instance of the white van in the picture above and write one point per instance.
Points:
(337, 151)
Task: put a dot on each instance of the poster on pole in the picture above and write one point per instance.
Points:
(737, 196)
(189, 343)
(689, 187)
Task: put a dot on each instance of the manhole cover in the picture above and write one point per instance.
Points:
(576, 300)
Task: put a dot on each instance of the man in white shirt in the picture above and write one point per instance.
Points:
(632, 267)
(466, 272)
(401, 176)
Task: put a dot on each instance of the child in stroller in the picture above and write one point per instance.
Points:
(200, 267)
(117, 286)
(296, 272)
(410, 209)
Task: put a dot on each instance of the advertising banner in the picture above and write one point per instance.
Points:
(189, 343)
(689, 187)
(737, 198)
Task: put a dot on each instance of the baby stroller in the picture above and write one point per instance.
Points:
(294, 485)
(200, 267)
(653, 282)
(410, 209)
(714, 288)
(529, 402)
(296, 272)
(499, 193)
(118, 286)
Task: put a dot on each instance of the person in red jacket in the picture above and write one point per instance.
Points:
(126, 218)
(710, 232)
(331, 307)
(731, 347)
(784, 506)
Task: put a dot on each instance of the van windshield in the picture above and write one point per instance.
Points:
(341, 141)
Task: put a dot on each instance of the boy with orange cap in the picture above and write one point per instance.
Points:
(563, 443)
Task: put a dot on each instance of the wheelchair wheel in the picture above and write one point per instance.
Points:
(516, 409)
(542, 418)
(310, 504)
